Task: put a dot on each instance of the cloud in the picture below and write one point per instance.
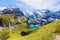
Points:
(39, 4)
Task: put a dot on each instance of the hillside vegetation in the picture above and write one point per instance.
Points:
(44, 33)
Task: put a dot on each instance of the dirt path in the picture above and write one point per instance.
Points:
(57, 37)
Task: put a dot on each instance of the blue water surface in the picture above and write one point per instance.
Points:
(31, 27)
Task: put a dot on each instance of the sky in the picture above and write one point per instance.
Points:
(32, 4)
(5, 3)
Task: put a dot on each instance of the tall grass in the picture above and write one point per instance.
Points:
(44, 33)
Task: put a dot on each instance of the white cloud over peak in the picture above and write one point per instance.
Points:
(40, 4)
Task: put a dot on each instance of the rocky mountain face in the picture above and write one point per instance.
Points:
(43, 17)
(16, 11)
(46, 14)
(36, 16)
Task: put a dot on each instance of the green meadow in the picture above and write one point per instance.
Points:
(22, 32)
(44, 33)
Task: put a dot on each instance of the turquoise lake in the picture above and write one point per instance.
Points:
(31, 27)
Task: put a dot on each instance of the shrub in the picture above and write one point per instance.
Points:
(4, 34)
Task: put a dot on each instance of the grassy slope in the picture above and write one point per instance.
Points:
(44, 33)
